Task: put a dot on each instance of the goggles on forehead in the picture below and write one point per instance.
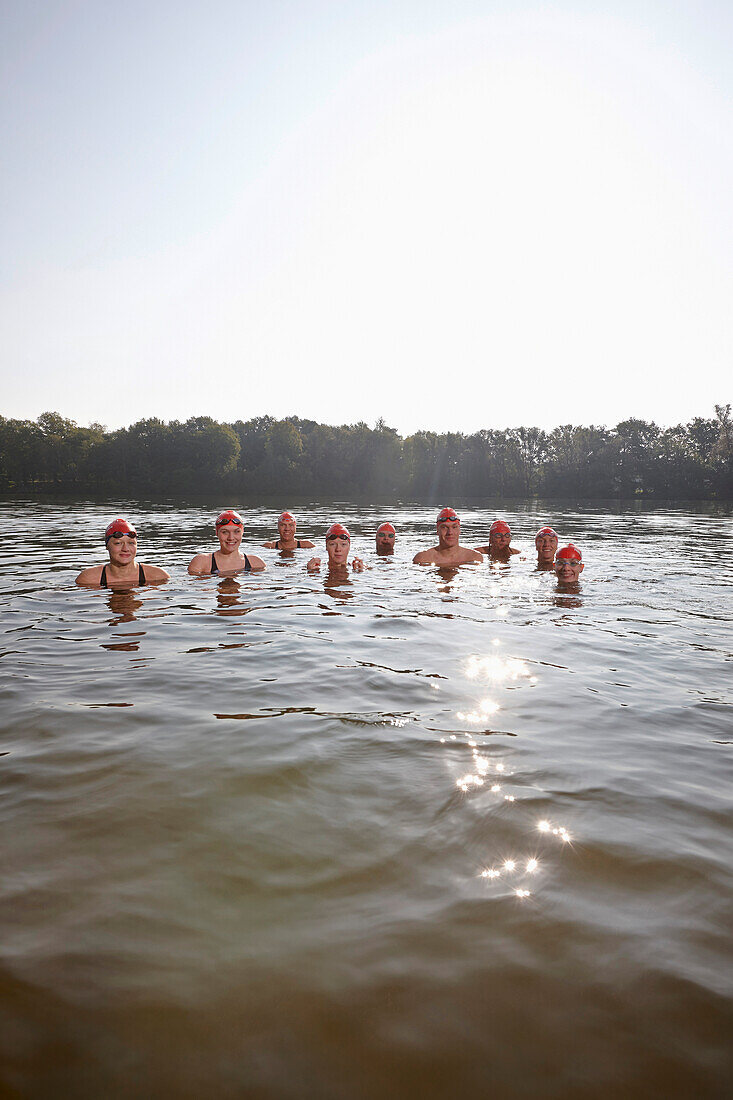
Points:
(344, 538)
(120, 535)
(230, 516)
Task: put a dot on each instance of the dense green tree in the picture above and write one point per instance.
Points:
(294, 456)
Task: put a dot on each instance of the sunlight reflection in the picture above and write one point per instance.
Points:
(496, 668)
(522, 893)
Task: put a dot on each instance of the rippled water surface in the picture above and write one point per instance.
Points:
(406, 835)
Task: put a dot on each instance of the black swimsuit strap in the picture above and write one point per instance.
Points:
(214, 566)
(247, 564)
(140, 575)
(103, 578)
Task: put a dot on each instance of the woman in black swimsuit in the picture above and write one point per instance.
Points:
(122, 570)
(229, 558)
(286, 525)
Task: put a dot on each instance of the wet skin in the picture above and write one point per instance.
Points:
(385, 542)
(568, 570)
(449, 550)
(286, 537)
(122, 567)
(546, 549)
(229, 559)
(337, 550)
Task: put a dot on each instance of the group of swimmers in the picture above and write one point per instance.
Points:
(124, 571)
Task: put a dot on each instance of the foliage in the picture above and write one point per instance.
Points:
(263, 455)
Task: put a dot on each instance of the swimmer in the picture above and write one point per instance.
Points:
(569, 564)
(385, 537)
(448, 551)
(338, 544)
(229, 559)
(286, 525)
(499, 535)
(546, 543)
(122, 570)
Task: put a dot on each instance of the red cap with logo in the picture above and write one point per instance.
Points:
(570, 553)
(446, 514)
(337, 530)
(287, 516)
(387, 528)
(500, 527)
(229, 516)
(117, 528)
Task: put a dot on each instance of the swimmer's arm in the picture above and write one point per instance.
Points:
(313, 565)
(200, 566)
(306, 544)
(90, 577)
(358, 565)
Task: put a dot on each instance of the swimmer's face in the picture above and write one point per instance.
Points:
(122, 550)
(286, 527)
(499, 540)
(230, 536)
(385, 542)
(449, 532)
(337, 547)
(568, 570)
(546, 548)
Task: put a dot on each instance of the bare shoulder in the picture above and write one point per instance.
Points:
(474, 555)
(306, 544)
(482, 549)
(91, 577)
(155, 574)
(257, 563)
(271, 545)
(513, 550)
(424, 557)
(201, 563)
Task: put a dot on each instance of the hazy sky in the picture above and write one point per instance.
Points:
(450, 214)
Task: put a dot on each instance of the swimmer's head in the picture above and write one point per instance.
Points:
(546, 543)
(500, 534)
(385, 538)
(447, 514)
(448, 526)
(117, 529)
(569, 563)
(338, 541)
(286, 524)
(229, 516)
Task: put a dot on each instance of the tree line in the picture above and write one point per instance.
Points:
(297, 457)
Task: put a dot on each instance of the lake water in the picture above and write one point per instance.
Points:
(410, 835)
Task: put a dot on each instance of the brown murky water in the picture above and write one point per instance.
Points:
(409, 835)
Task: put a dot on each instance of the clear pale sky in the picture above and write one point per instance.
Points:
(453, 215)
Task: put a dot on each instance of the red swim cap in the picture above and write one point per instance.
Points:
(335, 530)
(501, 527)
(447, 513)
(546, 531)
(569, 552)
(286, 515)
(118, 525)
(386, 527)
(229, 516)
